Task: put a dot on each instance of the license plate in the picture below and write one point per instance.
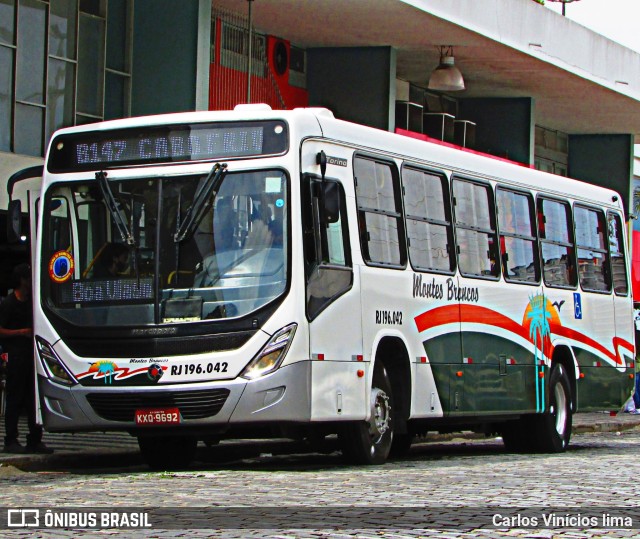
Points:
(164, 416)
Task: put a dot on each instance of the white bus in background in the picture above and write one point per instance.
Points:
(284, 273)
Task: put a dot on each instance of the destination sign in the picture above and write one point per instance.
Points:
(95, 150)
(103, 291)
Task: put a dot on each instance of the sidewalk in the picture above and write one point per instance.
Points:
(111, 446)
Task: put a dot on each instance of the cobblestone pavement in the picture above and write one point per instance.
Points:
(471, 478)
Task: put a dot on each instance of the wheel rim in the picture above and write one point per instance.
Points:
(560, 409)
(380, 420)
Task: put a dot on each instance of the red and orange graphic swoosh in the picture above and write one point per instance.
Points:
(474, 314)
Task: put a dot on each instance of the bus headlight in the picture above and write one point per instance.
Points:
(271, 355)
(53, 364)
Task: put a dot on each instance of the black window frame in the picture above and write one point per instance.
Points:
(573, 263)
(622, 252)
(398, 215)
(315, 245)
(493, 231)
(534, 239)
(447, 223)
(606, 266)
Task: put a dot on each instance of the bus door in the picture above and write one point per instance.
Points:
(385, 285)
(23, 190)
(497, 278)
(622, 301)
(430, 241)
(332, 285)
(621, 287)
(593, 310)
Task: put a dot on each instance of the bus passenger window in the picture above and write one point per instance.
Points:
(556, 241)
(616, 252)
(518, 241)
(379, 212)
(593, 256)
(428, 214)
(476, 237)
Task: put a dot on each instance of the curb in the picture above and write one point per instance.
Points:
(76, 459)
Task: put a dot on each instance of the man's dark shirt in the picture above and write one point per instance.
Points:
(16, 314)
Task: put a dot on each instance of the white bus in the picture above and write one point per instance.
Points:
(282, 273)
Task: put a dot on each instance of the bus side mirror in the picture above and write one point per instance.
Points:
(14, 221)
(331, 202)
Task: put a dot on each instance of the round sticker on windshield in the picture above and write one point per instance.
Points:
(61, 267)
(279, 203)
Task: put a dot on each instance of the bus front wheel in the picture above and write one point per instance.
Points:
(167, 452)
(369, 442)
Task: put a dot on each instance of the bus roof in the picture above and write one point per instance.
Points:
(321, 122)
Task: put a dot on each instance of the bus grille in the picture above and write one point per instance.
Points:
(192, 404)
(159, 346)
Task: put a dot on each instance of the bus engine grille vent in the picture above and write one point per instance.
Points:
(119, 346)
(192, 404)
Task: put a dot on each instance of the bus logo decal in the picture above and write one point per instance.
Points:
(61, 266)
(338, 161)
(155, 372)
(109, 372)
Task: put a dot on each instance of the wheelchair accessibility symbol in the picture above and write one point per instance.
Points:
(577, 306)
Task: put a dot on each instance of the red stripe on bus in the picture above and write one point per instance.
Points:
(451, 314)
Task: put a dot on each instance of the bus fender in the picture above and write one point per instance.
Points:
(399, 367)
(560, 343)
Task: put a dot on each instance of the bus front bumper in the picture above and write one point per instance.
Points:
(283, 396)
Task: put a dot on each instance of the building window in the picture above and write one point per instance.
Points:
(551, 151)
(235, 49)
(66, 62)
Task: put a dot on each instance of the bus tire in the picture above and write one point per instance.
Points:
(401, 445)
(517, 435)
(167, 452)
(553, 429)
(369, 442)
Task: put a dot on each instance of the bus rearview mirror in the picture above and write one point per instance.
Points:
(331, 200)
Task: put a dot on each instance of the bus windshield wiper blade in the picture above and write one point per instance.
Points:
(114, 208)
(201, 199)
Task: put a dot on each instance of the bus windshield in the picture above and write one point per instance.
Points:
(152, 251)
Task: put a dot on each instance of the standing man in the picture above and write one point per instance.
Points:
(16, 334)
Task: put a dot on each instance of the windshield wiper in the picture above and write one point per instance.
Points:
(201, 201)
(114, 209)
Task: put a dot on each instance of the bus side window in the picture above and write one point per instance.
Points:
(476, 237)
(518, 241)
(379, 212)
(557, 244)
(591, 243)
(428, 215)
(327, 252)
(616, 252)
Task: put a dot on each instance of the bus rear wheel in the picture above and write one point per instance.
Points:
(369, 442)
(553, 428)
(167, 452)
